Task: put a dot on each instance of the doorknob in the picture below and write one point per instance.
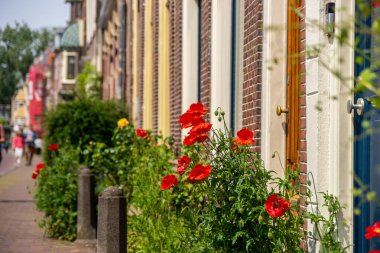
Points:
(359, 106)
(280, 110)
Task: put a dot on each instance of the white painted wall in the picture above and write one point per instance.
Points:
(189, 53)
(329, 130)
(221, 60)
(274, 83)
(239, 65)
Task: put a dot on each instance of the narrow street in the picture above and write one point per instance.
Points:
(19, 231)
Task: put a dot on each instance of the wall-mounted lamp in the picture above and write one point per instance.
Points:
(330, 19)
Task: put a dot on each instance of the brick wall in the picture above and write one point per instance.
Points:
(156, 62)
(140, 62)
(252, 68)
(175, 69)
(205, 70)
(129, 56)
(303, 146)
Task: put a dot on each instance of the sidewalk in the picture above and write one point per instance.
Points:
(19, 232)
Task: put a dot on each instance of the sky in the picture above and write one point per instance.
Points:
(36, 13)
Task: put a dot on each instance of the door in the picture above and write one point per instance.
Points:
(293, 78)
(366, 133)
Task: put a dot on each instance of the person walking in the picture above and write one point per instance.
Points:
(2, 140)
(18, 146)
(30, 136)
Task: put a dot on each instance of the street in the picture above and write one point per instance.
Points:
(19, 231)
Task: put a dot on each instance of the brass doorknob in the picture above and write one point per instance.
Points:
(280, 110)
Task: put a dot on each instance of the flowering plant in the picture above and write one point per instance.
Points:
(242, 206)
(53, 147)
(39, 167)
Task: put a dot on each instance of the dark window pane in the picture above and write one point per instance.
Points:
(70, 67)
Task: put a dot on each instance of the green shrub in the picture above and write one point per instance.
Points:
(56, 195)
(88, 82)
(242, 206)
(137, 165)
(81, 121)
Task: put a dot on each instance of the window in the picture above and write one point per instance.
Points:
(237, 65)
(70, 67)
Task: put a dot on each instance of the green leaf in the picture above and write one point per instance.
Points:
(357, 192)
(371, 195)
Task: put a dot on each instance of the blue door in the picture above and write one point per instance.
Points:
(367, 133)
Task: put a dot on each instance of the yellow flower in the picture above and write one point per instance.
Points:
(122, 122)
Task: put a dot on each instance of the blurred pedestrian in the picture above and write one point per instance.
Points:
(6, 146)
(30, 136)
(38, 145)
(2, 140)
(18, 146)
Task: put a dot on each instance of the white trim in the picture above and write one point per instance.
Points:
(221, 60)
(345, 158)
(273, 87)
(239, 64)
(190, 35)
(65, 55)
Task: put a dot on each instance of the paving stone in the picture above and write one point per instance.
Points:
(19, 231)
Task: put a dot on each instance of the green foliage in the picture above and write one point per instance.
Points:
(56, 195)
(137, 165)
(233, 214)
(326, 228)
(80, 122)
(19, 46)
(88, 82)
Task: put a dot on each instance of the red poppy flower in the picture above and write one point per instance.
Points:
(184, 161)
(244, 137)
(53, 147)
(181, 170)
(199, 173)
(372, 231)
(374, 251)
(197, 109)
(276, 206)
(201, 128)
(192, 116)
(193, 138)
(39, 167)
(34, 175)
(141, 132)
(169, 181)
(188, 120)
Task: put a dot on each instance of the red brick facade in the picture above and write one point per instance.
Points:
(205, 69)
(156, 62)
(140, 62)
(252, 68)
(303, 146)
(175, 69)
(129, 55)
(110, 64)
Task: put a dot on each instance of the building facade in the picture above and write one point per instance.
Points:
(274, 67)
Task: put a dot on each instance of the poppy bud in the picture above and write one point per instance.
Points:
(216, 113)
(260, 219)
(222, 113)
(219, 119)
(270, 235)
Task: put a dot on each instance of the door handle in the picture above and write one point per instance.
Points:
(281, 110)
(359, 106)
